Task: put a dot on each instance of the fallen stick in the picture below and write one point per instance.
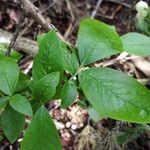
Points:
(15, 35)
(32, 11)
(96, 8)
(26, 45)
(121, 3)
(22, 44)
(142, 64)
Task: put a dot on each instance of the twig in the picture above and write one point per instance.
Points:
(32, 21)
(120, 2)
(142, 64)
(144, 81)
(96, 8)
(15, 35)
(106, 140)
(28, 68)
(22, 44)
(31, 10)
(27, 27)
(36, 14)
(70, 29)
(70, 10)
(67, 33)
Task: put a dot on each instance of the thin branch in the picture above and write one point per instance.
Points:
(96, 8)
(31, 10)
(22, 44)
(120, 2)
(70, 10)
(15, 35)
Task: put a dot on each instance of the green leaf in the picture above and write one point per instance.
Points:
(9, 74)
(16, 56)
(49, 58)
(23, 82)
(59, 87)
(45, 88)
(21, 104)
(68, 94)
(83, 101)
(71, 62)
(41, 133)
(97, 40)
(3, 101)
(94, 114)
(115, 95)
(35, 105)
(12, 123)
(143, 26)
(136, 44)
(3, 48)
(40, 38)
(57, 94)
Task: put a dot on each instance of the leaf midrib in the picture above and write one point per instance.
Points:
(69, 62)
(114, 92)
(88, 54)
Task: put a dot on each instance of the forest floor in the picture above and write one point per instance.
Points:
(77, 130)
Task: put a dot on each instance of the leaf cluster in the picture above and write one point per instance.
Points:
(63, 72)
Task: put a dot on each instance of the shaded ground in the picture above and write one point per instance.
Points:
(76, 129)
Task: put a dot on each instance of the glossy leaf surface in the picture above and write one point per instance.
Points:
(21, 104)
(49, 58)
(68, 94)
(136, 44)
(97, 40)
(115, 95)
(12, 123)
(41, 133)
(9, 74)
(71, 62)
(45, 88)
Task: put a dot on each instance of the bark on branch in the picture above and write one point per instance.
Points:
(32, 11)
(35, 13)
